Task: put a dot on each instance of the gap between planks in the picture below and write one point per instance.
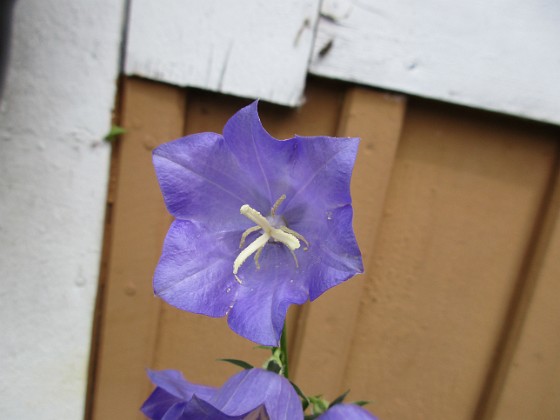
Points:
(526, 284)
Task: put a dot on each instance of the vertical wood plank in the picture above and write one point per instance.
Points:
(193, 343)
(527, 385)
(325, 336)
(152, 113)
(461, 209)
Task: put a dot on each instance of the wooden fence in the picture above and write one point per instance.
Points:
(457, 315)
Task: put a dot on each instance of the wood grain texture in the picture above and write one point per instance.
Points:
(152, 114)
(248, 48)
(328, 326)
(461, 208)
(527, 385)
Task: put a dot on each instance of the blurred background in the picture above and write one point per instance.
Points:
(456, 196)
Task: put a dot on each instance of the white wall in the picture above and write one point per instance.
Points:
(254, 48)
(56, 108)
(500, 55)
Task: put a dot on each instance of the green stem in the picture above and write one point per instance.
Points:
(284, 350)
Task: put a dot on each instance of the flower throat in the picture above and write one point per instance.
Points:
(273, 229)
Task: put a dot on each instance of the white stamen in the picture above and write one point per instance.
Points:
(297, 235)
(280, 234)
(246, 253)
(277, 204)
(247, 233)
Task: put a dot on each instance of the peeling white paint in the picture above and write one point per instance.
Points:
(502, 55)
(56, 108)
(246, 48)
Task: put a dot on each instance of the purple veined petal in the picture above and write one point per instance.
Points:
(159, 403)
(195, 271)
(174, 383)
(346, 412)
(255, 387)
(324, 170)
(171, 389)
(321, 173)
(253, 394)
(333, 254)
(202, 182)
(293, 166)
(198, 409)
(263, 298)
(264, 157)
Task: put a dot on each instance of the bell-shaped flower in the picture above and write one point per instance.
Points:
(254, 394)
(260, 223)
(346, 412)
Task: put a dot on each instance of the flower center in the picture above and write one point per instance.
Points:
(273, 229)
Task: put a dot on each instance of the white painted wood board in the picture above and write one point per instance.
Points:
(499, 55)
(55, 110)
(247, 48)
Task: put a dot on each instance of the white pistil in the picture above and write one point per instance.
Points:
(280, 234)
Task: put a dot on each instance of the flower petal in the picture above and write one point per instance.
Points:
(175, 384)
(261, 155)
(255, 387)
(333, 254)
(198, 409)
(313, 170)
(346, 412)
(264, 297)
(202, 182)
(171, 389)
(195, 271)
(255, 393)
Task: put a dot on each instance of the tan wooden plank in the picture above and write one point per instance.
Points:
(152, 113)
(460, 213)
(330, 321)
(190, 342)
(530, 387)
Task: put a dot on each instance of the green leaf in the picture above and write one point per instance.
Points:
(305, 400)
(239, 363)
(114, 132)
(264, 348)
(339, 399)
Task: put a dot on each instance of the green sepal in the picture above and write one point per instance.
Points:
(239, 363)
(304, 399)
(318, 404)
(273, 366)
(339, 399)
(275, 363)
(361, 403)
(114, 132)
(264, 348)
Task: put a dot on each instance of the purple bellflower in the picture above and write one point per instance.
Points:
(253, 394)
(260, 223)
(346, 412)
